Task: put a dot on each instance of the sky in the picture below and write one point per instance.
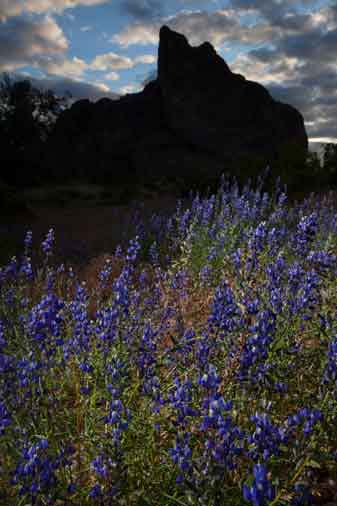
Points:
(96, 48)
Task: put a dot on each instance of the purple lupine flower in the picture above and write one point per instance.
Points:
(181, 453)
(255, 351)
(181, 400)
(133, 250)
(35, 472)
(105, 273)
(259, 237)
(100, 466)
(28, 241)
(322, 260)
(5, 418)
(305, 234)
(261, 491)
(306, 417)
(303, 495)
(205, 274)
(210, 379)
(96, 491)
(79, 341)
(225, 313)
(154, 253)
(330, 372)
(266, 439)
(48, 244)
(26, 268)
(45, 320)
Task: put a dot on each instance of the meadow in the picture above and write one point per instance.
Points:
(196, 366)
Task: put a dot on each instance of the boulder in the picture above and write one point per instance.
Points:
(196, 119)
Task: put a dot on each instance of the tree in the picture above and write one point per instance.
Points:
(27, 116)
(330, 162)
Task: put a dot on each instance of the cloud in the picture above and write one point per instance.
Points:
(130, 88)
(145, 59)
(138, 33)
(111, 61)
(112, 76)
(143, 9)
(73, 68)
(287, 45)
(78, 89)
(12, 8)
(218, 27)
(23, 40)
(86, 28)
(77, 69)
(300, 68)
(291, 50)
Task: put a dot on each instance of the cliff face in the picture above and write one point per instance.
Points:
(196, 118)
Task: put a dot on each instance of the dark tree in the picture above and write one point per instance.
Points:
(330, 162)
(27, 116)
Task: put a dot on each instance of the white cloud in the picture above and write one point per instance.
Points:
(11, 8)
(86, 28)
(138, 33)
(130, 88)
(323, 140)
(101, 86)
(73, 68)
(111, 61)
(217, 27)
(265, 72)
(112, 76)
(145, 59)
(24, 40)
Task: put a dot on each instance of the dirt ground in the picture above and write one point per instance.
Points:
(83, 231)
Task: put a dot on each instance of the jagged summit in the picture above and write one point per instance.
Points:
(176, 55)
(195, 118)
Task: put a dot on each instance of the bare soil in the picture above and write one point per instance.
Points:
(83, 230)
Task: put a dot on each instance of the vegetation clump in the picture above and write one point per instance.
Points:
(199, 368)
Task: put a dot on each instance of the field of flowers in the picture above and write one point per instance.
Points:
(199, 369)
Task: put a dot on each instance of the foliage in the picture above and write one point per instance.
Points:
(21, 97)
(27, 116)
(330, 161)
(200, 371)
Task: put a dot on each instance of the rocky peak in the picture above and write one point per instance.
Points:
(177, 59)
(196, 118)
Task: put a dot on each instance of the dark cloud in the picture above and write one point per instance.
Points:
(264, 55)
(309, 43)
(312, 45)
(22, 40)
(12, 8)
(143, 9)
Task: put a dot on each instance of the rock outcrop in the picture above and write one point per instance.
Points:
(197, 118)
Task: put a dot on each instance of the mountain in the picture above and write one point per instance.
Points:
(196, 119)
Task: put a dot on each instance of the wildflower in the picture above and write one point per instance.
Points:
(261, 491)
(48, 243)
(330, 372)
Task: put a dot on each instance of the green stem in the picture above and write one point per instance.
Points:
(292, 481)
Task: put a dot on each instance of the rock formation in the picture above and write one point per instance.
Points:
(197, 118)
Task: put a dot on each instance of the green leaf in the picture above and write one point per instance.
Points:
(314, 464)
